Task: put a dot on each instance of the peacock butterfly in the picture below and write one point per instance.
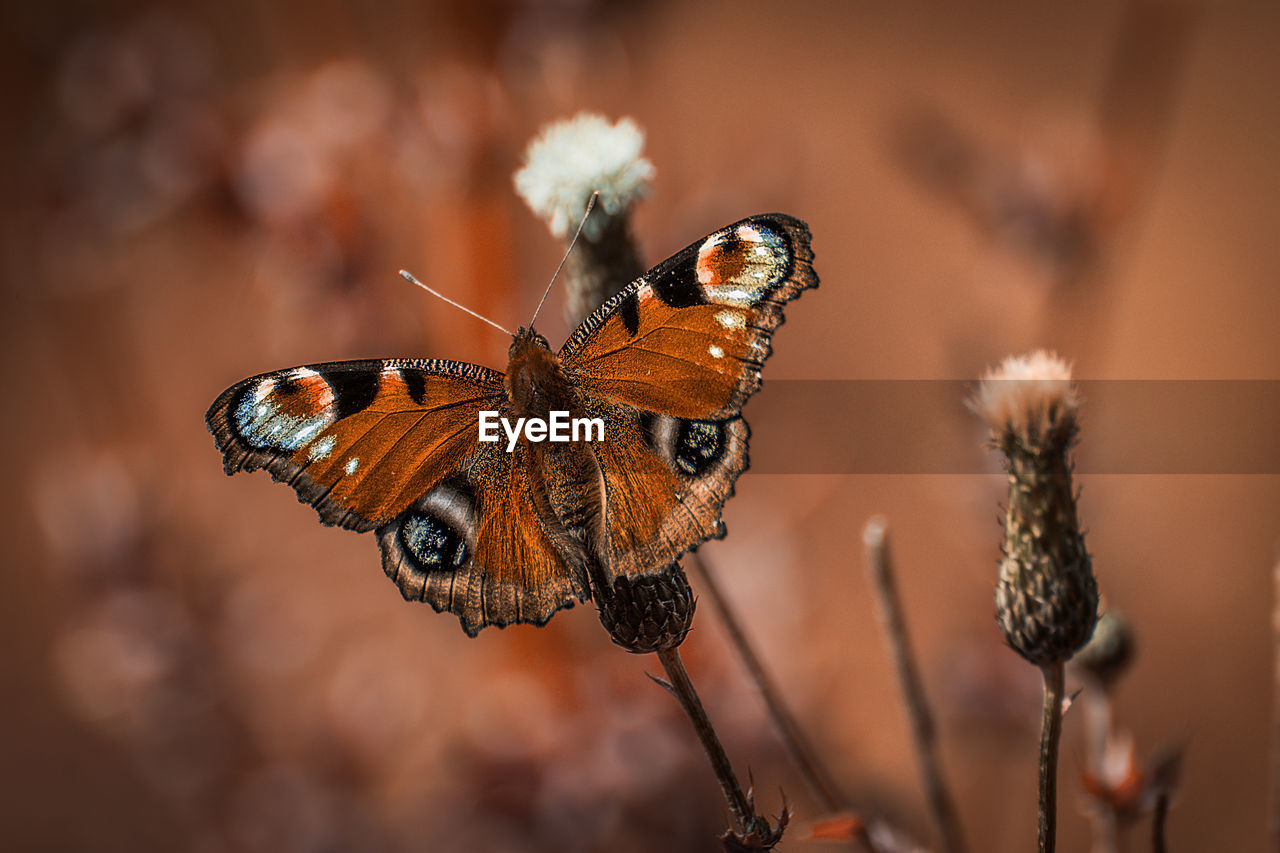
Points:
(502, 536)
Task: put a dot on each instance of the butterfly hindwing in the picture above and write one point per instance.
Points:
(665, 481)
(477, 545)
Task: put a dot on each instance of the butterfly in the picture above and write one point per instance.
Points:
(511, 531)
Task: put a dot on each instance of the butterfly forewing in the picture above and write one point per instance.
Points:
(690, 337)
(358, 440)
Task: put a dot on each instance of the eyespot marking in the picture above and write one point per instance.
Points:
(692, 448)
(743, 266)
(284, 412)
(432, 544)
(698, 446)
(435, 533)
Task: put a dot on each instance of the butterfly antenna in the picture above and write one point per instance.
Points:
(591, 203)
(409, 277)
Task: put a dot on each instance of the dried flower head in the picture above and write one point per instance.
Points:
(572, 159)
(1046, 595)
(1030, 396)
(567, 163)
(649, 613)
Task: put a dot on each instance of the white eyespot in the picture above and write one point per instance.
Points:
(737, 295)
(715, 351)
(307, 431)
(731, 319)
(762, 251)
(747, 234)
(351, 465)
(322, 448)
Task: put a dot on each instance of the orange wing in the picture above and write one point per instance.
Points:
(669, 363)
(689, 337)
(665, 482)
(476, 545)
(358, 440)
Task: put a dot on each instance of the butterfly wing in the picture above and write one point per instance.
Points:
(477, 545)
(358, 440)
(393, 446)
(669, 363)
(689, 337)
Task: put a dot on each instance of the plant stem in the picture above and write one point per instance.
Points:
(682, 688)
(1098, 735)
(1050, 733)
(1275, 712)
(879, 837)
(880, 568)
(793, 738)
(1158, 823)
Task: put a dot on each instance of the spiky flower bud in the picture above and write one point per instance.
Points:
(1046, 596)
(567, 163)
(648, 613)
(1109, 651)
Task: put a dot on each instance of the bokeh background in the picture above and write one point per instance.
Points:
(197, 192)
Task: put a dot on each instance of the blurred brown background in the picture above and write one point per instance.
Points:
(198, 192)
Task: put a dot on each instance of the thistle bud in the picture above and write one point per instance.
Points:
(568, 162)
(649, 613)
(1046, 596)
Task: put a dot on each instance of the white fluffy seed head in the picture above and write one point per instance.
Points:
(571, 159)
(1028, 395)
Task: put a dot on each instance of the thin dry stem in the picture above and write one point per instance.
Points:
(679, 683)
(793, 738)
(1158, 820)
(879, 837)
(1050, 734)
(1098, 734)
(1275, 715)
(880, 568)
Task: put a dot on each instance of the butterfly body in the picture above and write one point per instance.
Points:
(502, 536)
(535, 382)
